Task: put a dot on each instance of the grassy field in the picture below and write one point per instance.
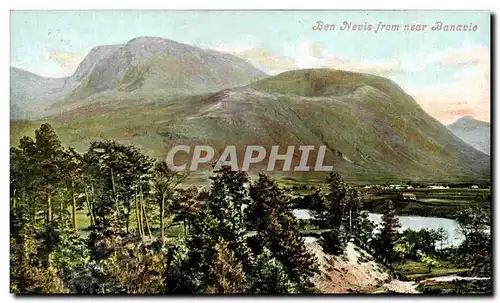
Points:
(429, 202)
(412, 270)
(456, 287)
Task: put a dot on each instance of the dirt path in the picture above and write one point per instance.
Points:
(398, 286)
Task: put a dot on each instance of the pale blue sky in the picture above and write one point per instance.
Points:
(52, 43)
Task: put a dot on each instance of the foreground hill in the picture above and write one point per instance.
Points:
(473, 132)
(143, 70)
(373, 130)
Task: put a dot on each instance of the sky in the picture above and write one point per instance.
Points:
(447, 72)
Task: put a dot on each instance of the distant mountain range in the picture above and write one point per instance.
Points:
(155, 93)
(474, 132)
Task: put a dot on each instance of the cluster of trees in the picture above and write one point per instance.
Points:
(129, 197)
(475, 251)
(238, 236)
(340, 212)
(429, 246)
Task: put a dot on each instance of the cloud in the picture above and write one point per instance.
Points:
(68, 62)
(467, 92)
(305, 54)
(469, 55)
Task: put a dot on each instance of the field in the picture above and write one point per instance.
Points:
(444, 203)
(412, 270)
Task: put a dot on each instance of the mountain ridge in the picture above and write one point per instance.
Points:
(372, 129)
(474, 132)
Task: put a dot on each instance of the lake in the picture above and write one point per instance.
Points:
(455, 237)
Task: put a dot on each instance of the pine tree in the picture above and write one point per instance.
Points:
(277, 230)
(38, 173)
(475, 251)
(218, 218)
(389, 235)
(268, 276)
(117, 174)
(165, 182)
(226, 272)
(333, 209)
(228, 194)
(365, 230)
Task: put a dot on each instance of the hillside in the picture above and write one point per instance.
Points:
(31, 94)
(373, 130)
(473, 132)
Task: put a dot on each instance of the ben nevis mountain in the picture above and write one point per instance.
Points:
(474, 132)
(155, 93)
(145, 68)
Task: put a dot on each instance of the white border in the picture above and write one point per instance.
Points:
(7, 5)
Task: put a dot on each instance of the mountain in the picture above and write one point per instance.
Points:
(474, 132)
(143, 70)
(150, 69)
(30, 94)
(372, 129)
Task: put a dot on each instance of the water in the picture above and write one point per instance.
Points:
(455, 237)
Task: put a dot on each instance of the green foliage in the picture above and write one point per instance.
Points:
(117, 174)
(334, 241)
(136, 269)
(475, 250)
(267, 275)
(220, 219)
(27, 273)
(341, 211)
(457, 287)
(423, 241)
(228, 194)
(364, 232)
(226, 273)
(388, 236)
(277, 230)
(165, 182)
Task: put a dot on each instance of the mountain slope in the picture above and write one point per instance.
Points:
(370, 126)
(373, 130)
(473, 132)
(30, 94)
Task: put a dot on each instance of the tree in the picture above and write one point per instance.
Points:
(31, 271)
(136, 269)
(38, 170)
(475, 250)
(277, 230)
(228, 195)
(365, 229)
(333, 210)
(187, 203)
(117, 174)
(165, 182)
(218, 218)
(226, 272)
(267, 275)
(442, 237)
(430, 260)
(389, 235)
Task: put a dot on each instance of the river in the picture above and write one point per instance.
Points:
(455, 237)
